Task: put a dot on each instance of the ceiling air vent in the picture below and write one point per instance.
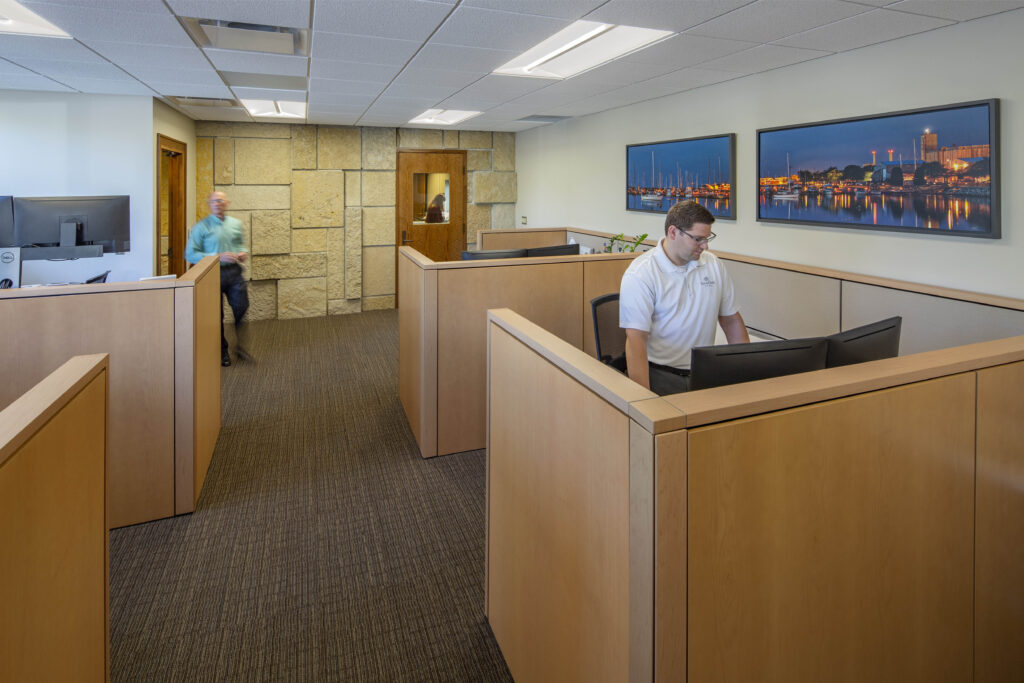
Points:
(203, 101)
(540, 118)
(237, 35)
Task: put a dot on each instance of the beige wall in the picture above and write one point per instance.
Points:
(319, 205)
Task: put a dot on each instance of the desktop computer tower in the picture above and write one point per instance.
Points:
(10, 267)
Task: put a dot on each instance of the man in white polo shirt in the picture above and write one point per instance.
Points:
(670, 299)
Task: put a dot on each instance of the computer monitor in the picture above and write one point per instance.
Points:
(555, 250)
(7, 222)
(715, 366)
(493, 253)
(868, 342)
(73, 221)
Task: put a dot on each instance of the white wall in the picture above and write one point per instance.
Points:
(56, 144)
(573, 173)
(173, 124)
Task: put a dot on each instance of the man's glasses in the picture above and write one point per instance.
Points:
(700, 240)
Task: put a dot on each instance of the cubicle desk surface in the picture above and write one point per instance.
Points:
(849, 524)
(158, 334)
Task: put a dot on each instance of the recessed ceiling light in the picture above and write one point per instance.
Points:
(275, 109)
(16, 19)
(444, 117)
(580, 46)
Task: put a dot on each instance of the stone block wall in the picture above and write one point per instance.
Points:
(318, 205)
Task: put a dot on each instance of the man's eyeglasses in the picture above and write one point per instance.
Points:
(700, 240)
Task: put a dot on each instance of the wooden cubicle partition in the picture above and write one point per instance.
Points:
(163, 340)
(54, 564)
(442, 351)
(858, 523)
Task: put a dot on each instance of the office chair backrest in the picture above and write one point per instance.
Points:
(102, 277)
(609, 338)
(493, 253)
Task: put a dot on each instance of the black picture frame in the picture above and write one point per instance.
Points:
(946, 194)
(705, 172)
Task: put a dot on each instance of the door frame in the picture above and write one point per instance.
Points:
(177, 199)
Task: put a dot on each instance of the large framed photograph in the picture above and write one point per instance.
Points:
(929, 171)
(659, 174)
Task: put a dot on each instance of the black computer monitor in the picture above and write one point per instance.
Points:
(7, 222)
(555, 250)
(715, 366)
(493, 253)
(73, 221)
(868, 342)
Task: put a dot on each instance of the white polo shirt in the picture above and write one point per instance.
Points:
(678, 306)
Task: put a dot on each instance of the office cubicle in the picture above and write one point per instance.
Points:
(163, 338)
(857, 523)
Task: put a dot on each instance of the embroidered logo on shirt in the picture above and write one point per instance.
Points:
(706, 281)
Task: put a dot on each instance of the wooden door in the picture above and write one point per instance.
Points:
(170, 206)
(423, 176)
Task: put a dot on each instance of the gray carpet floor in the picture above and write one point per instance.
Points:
(323, 547)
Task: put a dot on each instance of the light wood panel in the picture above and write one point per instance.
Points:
(206, 385)
(834, 542)
(417, 350)
(784, 303)
(558, 522)
(670, 557)
(53, 530)
(642, 479)
(999, 596)
(599, 277)
(549, 295)
(520, 239)
(184, 401)
(136, 327)
(929, 322)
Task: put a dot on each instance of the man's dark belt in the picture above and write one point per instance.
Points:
(668, 368)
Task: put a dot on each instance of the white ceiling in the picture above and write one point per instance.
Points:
(383, 62)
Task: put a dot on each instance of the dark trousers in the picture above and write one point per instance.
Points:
(233, 287)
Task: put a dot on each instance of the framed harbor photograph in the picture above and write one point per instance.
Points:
(659, 174)
(929, 171)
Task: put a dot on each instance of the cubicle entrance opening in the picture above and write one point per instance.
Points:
(170, 206)
(430, 213)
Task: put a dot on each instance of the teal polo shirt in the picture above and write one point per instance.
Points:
(212, 236)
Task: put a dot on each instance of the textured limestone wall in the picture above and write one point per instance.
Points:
(318, 205)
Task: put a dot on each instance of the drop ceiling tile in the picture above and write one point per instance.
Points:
(269, 94)
(134, 53)
(96, 68)
(170, 74)
(869, 28)
(144, 6)
(685, 50)
(460, 58)
(88, 24)
(258, 62)
(468, 103)
(472, 27)
(957, 10)
(762, 58)
(340, 99)
(352, 71)
(670, 15)
(368, 49)
(503, 88)
(404, 19)
(687, 79)
(622, 73)
(875, 3)
(190, 90)
(560, 9)
(101, 86)
(767, 20)
(31, 81)
(439, 92)
(28, 47)
(332, 119)
(294, 13)
(327, 86)
(445, 77)
(216, 113)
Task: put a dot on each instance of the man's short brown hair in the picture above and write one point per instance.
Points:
(684, 214)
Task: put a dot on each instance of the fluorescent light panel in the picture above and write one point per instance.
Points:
(580, 46)
(275, 109)
(444, 117)
(17, 19)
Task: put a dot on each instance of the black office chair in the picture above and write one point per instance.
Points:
(102, 277)
(609, 338)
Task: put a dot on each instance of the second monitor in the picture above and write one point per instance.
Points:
(715, 366)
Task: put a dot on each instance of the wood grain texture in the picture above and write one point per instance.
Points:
(785, 303)
(834, 542)
(548, 294)
(670, 557)
(184, 399)
(641, 554)
(136, 328)
(558, 533)
(599, 277)
(520, 239)
(999, 597)
(439, 241)
(54, 624)
(417, 351)
(206, 385)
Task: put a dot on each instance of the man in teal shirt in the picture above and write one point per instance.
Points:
(221, 235)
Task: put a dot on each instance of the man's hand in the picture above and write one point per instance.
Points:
(228, 257)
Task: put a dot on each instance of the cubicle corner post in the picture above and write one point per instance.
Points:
(417, 346)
